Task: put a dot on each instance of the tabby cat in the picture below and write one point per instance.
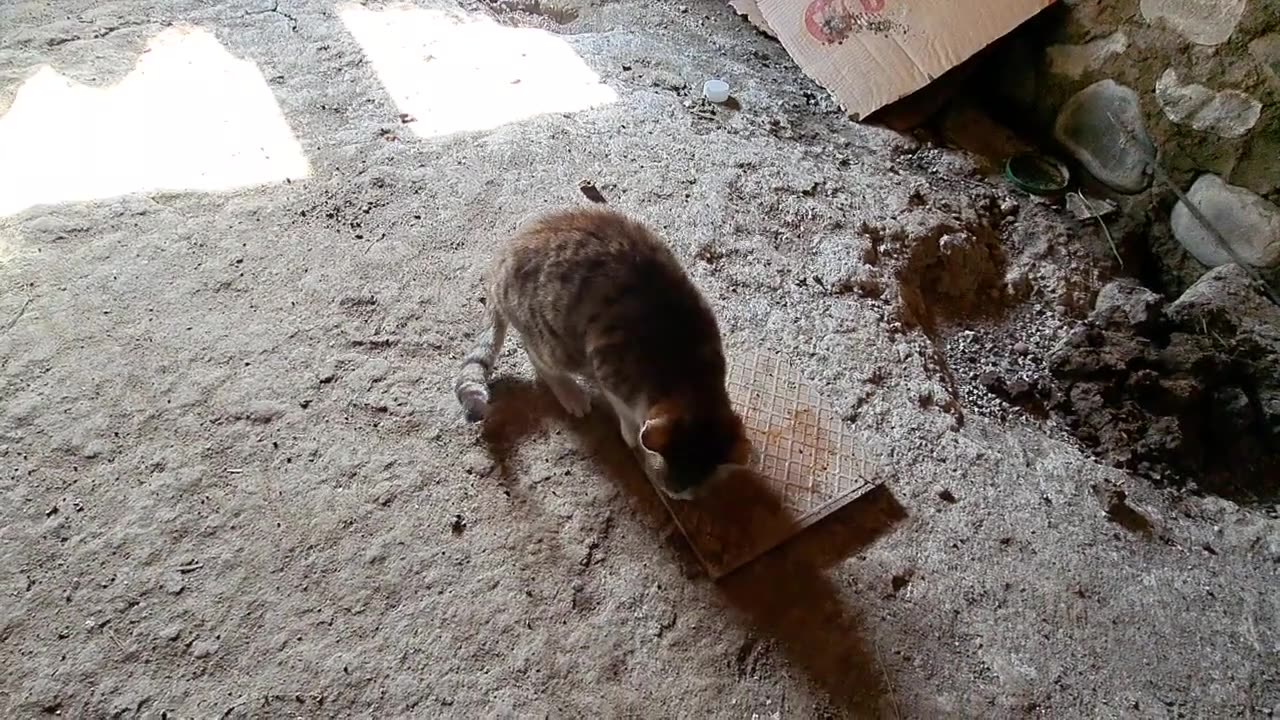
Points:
(595, 294)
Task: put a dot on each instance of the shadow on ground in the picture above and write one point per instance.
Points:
(784, 595)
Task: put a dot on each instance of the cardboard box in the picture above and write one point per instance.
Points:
(751, 11)
(869, 53)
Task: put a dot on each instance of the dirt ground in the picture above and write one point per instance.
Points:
(235, 482)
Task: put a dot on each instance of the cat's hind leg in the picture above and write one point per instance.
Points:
(570, 395)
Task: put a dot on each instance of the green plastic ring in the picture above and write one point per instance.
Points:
(1037, 174)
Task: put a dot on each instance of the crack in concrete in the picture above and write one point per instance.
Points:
(97, 33)
(21, 311)
(275, 10)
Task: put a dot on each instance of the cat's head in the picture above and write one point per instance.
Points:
(694, 444)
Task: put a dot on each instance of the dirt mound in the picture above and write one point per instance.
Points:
(1179, 392)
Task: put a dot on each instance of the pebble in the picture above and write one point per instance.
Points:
(263, 411)
(204, 648)
(171, 633)
(668, 80)
(93, 449)
(1127, 304)
(477, 462)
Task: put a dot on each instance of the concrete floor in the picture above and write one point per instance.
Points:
(235, 482)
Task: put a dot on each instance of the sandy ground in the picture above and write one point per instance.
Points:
(235, 482)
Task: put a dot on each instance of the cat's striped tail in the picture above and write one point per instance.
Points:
(472, 385)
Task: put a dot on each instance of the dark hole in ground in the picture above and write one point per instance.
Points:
(1173, 378)
(1186, 392)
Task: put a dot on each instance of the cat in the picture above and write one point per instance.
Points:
(597, 294)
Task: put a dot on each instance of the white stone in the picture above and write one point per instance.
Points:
(1228, 113)
(1249, 223)
(1075, 60)
(1103, 128)
(1204, 22)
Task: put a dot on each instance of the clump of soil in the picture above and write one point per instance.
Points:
(1188, 392)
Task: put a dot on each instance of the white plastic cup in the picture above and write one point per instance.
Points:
(717, 91)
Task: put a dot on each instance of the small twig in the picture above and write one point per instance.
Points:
(1107, 231)
(897, 711)
(190, 567)
(1204, 329)
(113, 637)
(21, 311)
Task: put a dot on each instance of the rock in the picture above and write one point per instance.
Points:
(993, 381)
(1075, 60)
(1239, 343)
(1102, 126)
(1173, 410)
(1248, 222)
(1226, 113)
(204, 648)
(1128, 304)
(262, 411)
(668, 81)
(93, 449)
(1227, 296)
(1186, 353)
(1266, 50)
(1017, 391)
(1256, 169)
(1021, 391)
(1204, 22)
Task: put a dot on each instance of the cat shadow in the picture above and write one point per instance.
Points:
(784, 597)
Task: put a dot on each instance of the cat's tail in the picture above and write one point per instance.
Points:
(472, 385)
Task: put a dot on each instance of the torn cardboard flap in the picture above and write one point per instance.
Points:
(869, 53)
(751, 11)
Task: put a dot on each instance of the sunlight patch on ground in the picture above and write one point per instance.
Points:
(189, 116)
(454, 72)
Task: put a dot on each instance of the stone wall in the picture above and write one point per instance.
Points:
(1196, 80)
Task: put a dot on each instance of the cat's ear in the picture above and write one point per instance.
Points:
(655, 436)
